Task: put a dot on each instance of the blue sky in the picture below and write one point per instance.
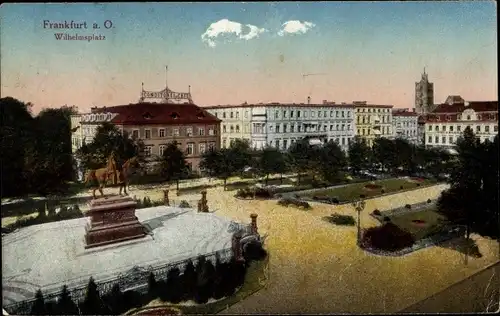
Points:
(371, 51)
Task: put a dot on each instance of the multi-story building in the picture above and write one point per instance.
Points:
(236, 122)
(156, 124)
(280, 125)
(405, 125)
(373, 121)
(424, 95)
(448, 121)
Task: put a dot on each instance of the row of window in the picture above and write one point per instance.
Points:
(373, 110)
(451, 128)
(176, 131)
(236, 128)
(367, 131)
(232, 114)
(335, 113)
(189, 149)
(406, 124)
(366, 119)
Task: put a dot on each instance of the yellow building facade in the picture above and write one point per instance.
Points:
(373, 121)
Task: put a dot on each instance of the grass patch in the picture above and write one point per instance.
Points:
(420, 224)
(353, 191)
(255, 280)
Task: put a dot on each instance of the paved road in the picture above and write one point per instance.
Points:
(470, 295)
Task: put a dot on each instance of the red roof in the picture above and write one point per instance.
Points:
(403, 112)
(477, 106)
(247, 105)
(158, 113)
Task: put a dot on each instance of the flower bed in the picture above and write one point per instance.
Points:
(295, 202)
(373, 186)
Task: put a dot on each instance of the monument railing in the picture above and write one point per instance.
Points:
(134, 279)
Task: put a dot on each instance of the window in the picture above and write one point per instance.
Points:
(246, 114)
(224, 128)
(443, 128)
(319, 113)
(223, 114)
(337, 127)
(298, 113)
(147, 151)
(436, 128)
(468, 117)
(331, 113)
(312, 114)
(305, 114)
(135, 133)
(292, 128)
(336, 113)
(231, 115)
(451, 128)
(429, 140)
(211, 145)
(343, 116)
(211, 132)
(343, 139)
(278, 144)
(478, 129)
(342, 127)
(176, 132)
(291, 113)
(443, 140)
(487, 129)
(450, 140)
(324, 114)
(231, 128)
(237, 128)
(270, 128)
(189, 131)
(459, 128)
(348, 127)
(299, 128)
(201, 131)
(284, 114)
(237, 115)
(348, 114)
(436, 140)
(161, 150)
(216, 114)
(147, 134)
(285, 128)
(285, 143)
(277, 128)
(202, 148)
(162, 132)
(276, 114)
(190, 148)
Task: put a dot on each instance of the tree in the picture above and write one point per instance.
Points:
(108, 139)
(188, 280)
(271, 160)
(240, 153)
(152, 287)
(39, 304)
(65, 305)
(358, 154)
(331, 159)
(218, 284)
(299, 154)
(116, 302)
(92, 304)
(219, 163)
(172, 285)
(404, 155)
(173, 163)
(383, 153)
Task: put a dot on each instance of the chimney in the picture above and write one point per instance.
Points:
(325, 101)
(309, 100)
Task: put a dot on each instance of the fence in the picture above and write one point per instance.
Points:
(134, 279)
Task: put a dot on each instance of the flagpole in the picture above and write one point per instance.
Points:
(166, 83)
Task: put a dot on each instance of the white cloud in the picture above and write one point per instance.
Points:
(225, 27)
(295, 27)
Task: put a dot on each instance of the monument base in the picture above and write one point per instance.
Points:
(112, 220)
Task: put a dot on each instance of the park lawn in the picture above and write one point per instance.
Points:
(255, 279)
(352, 192)
(432, 219)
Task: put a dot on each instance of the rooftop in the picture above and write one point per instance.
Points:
(477, 106)
(50, 255)
(158, 113)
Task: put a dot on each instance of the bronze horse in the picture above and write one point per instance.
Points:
(111, 172)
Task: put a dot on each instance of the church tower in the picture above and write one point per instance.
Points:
(424, 95)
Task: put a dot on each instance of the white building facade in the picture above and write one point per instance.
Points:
(447, 123)
(280, 125)
(405, 125)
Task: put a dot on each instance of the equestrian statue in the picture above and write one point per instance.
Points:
(111, 174)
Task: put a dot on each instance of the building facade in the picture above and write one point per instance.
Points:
(373, 121)
(405, 125)
(424, 95)
(280, 125)
(447, 123)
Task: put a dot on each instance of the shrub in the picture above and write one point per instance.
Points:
(294, 202)
(429, 201)
(382, 191)
(388, 237)
(184, 204)
(254, 251)
(387, 219)
(262, 193)
(418, 184)
(408, 206)
(377, 212)
(401, 187)
(285, 201)
(362, 196)
(342, 220)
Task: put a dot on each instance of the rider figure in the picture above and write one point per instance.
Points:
(112, 167)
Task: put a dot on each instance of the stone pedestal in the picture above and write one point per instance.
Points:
(253, 216)
(166, 200)
(236, 245)
(112, 220)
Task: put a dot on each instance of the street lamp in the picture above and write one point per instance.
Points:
(359, 206)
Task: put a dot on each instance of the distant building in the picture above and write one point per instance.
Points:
(373, 121)
(405, 125)
(424, 95)
(156, 124)
(448, 121)
(280, 125)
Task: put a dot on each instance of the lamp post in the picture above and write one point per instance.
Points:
(359, 206)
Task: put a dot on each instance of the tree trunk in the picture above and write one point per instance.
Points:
(225, 180)
(177, 183)
(267, 179)
(298, 179)
(281, 178)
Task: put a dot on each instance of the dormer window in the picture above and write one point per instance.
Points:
(468, 117)
(174, 115)
(200, 115)
(147, 116)
(448, 118)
